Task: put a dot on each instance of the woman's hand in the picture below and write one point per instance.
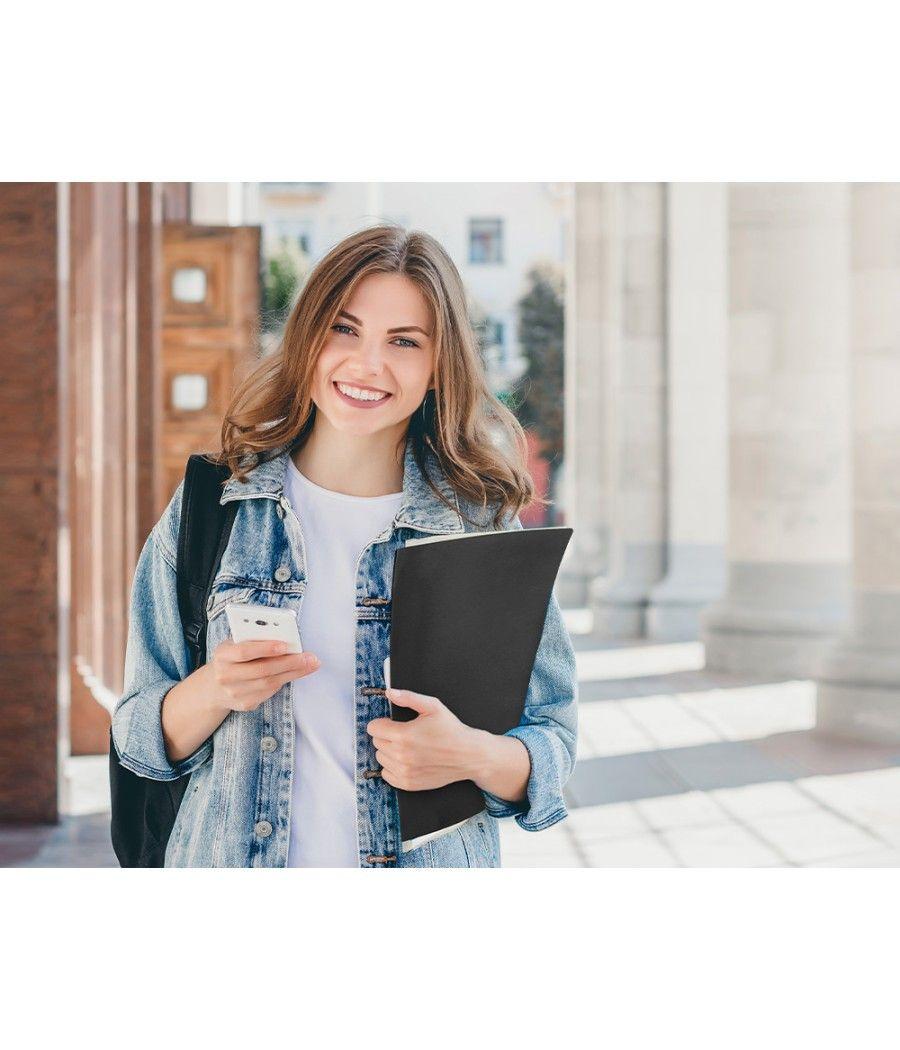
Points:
(435, 749)
(245, 674)
(238, 677)
(428, 752)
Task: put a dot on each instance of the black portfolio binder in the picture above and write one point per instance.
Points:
(467, 615)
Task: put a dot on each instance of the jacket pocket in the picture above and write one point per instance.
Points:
(471, 845)
(478, 837)
(223, 595)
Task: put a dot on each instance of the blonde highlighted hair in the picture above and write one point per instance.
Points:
(479, 444)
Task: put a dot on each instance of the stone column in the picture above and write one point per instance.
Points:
(789, 531)
(859, 679)
(592, 331)
(697, 357)
(633, 411)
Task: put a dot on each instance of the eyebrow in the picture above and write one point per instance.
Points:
(390, 331)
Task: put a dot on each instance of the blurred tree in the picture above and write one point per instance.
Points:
(284, 272)
(538, 395)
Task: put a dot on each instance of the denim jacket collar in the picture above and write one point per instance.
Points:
(420, 509)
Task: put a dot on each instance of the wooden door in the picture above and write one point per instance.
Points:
(210, 337)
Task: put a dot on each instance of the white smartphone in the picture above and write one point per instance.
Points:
(251, 622)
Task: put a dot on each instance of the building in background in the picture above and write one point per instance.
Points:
(494, 231)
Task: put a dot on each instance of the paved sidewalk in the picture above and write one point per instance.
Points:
(81, 839)
(677, 767)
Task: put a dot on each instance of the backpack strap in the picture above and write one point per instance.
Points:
(203, 534)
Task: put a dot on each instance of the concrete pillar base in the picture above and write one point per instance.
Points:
(782, 653)
(619, 600)
(777, 618)
(859, 710)
(572, 588)
(619, 621)
(859, 678)
(585, 559)
(673, 621)
(618, 607)
(696, 579)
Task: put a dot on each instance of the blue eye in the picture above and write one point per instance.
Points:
(345, 328)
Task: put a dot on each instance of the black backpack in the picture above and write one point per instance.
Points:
(144, 810)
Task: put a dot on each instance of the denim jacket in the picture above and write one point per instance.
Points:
(236, 811)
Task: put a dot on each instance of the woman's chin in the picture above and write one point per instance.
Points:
(362, 423)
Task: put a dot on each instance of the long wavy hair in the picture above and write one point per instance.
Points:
(479, 444)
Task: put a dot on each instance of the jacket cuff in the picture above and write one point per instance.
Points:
(543, 804)
(144, 752)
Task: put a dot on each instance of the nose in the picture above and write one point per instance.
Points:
(370, 359)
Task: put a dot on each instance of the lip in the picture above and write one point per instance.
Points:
(359, 404)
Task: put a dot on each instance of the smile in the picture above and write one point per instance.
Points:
(360, 396)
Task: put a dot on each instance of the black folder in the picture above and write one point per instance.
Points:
(467, 615)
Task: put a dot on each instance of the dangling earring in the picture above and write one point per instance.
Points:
(424, 421)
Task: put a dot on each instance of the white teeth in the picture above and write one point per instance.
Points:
(360, 395)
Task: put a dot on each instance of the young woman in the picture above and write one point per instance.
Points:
(369, 425)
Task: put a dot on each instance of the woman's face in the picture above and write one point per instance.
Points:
(380, 348)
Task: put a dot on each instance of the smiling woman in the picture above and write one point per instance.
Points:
(369, 379)
(372, 424)
(384, 310)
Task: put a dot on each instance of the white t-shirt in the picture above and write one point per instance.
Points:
(336, 529)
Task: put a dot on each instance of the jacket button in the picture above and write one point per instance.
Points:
(263, 828)
(282, 574)
(268, 743)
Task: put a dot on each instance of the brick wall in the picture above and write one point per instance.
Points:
(29, 455)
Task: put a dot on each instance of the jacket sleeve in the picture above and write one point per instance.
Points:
(156, 657)
(548, 727)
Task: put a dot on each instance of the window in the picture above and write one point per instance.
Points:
(189, 284)
(189, 392)
(485, 240)
(298, 231)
